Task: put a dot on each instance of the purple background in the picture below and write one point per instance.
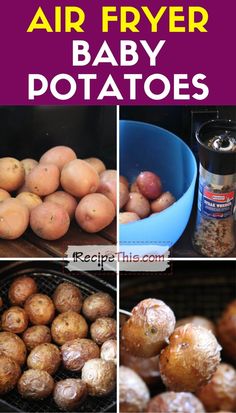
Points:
(211, 53)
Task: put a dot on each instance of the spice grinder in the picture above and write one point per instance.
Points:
(214, 229)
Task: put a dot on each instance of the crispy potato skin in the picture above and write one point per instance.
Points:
(197, 321)
(190, 359)
(12, 174)
(103, 329)
(137, 204)
(35, 384)
(43, 179)
(134, 394)
(14, 218)
(76, 352)
(126, 217)
(21, 289)
(68, 326)
(79, 178)
(226, 330)
(175, 402)
(147, 331)
(12, 346)
(69, 394)
(45, 357)
(98, 305)
(9, 373)
(36, 335)
(109, 351)
(15, 320)
(100, 377)
(67, 297)
(58, 155)
(40, 309)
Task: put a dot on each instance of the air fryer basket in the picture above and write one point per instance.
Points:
(48, 276)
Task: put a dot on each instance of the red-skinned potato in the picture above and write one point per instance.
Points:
(126, 217)
(123, 194)
(4, 195)
(94, 212)
(109, 189)
(28, 165)
(79, 178)
(59, 156)
(149, 185)
(108, 175)
(138, 204)
(49, 221)
(14, 218)
(97, 164)
(12, 174)
(64, 199)
(29, 200)
(43, 179)
(164, 201)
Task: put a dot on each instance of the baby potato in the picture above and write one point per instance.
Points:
(45, 357)
(49, 221)
(58, 155)
(134, 394)
(126, 217)
(175, 402)
(69, 394)
(79, 178)
(12, 346)
(36, 335)
(100, 377)
(14, 218)
(68, 326)
(43, 179)
(134, 187)
(29, 200)
(226, 330)
(197, 321)
(14, 320)
(103, 329)
(28, 165)
(147, 331)
(40, 309)
(138, 204)
(35, 384)
(98, 305)
(9, 373)
(94, 212)
(149, 185)
(76, 352)
(67, 201)
(21, 289)
(124, 180)
(109, 350)
(97, 164)
(4, 195)
(190, 359)
(108, 175)
(164, 201)
(12, 174)
(108, 185)
(67, 297)
(123, 194)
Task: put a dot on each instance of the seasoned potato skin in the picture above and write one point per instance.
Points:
(40, 309)
(69, 394)
(175, 402)
(35, 384)
(197, 321)
(46, 357)
(12, 174)
(68, 326)
(146, 332)
(21, 289)
(9, 373)
(36, 335)
(15, 320)
(226, 330)
(190, 359)
(109, 350)
(76, 352)
(12, 346)
(100, 377)
(134, 394)
(98, 305)
(103, 329)
(67, 297)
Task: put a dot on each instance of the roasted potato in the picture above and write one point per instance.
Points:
(100, 377)
(1, 302)
(175, 402)
(21, 289)
(67, 201)
(76, 352)
(12, 174)
(197, 321)
(45, 357)
(29, 200)
(97, 164)
(103, 329)
(14, 320)
(226, 330)
(68, 326)
(109, 350)
(69, 394)
(14, 218)
(40, 309)
(49, 221)
(36, 335)
(67, 297)
(137, 204)
(126, 217)
(9, 373)
(79, 178)
(134, 394)
(98, 305)
(12, 346)
(58, 155)
(43, 179)
(35, 384)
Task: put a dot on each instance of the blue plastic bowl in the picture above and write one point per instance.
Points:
(145, 147)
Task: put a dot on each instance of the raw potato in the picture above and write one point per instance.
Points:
(67, 201)
(109, 351)
(1, 302)
(134, 394)
(109, 189)
(103, 329)
(175, 402)
(108, 175)
(45, 357)
(98, 305)
(149, 185)
(9, 373)
(28, 165)
(97, 164)
(43, 179)
(138, 204)
(78, 178)
(14, 320)
(100, 377)
(36, 335)
(190, 359)
(35, 385)
(134, 187)
(59, 156)
(226, 330)
(147, 331)
(94, 212)
(40, 309)
(124, 180)
(123, 194)
(69, 394)
(126, 217)
(4, 195)
(67, 297)
(12, 174)
(146, 368)
(14, 218)
(197, 321)
(29, 200)
(49, 221)
(68, 326)
(21, 289)
(76, 352)
(164, 201)
(12, 346)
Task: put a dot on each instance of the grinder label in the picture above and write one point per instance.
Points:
(217, 205)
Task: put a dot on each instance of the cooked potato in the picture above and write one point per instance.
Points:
(226, 330)
(58, 155)
(12, 346)
(14, 218)
(35, 384)
(134, 394)
(126, 217)
(67, 201)
(40, 309)
(68, 326)
(4, 195)
(12, 174)
(45, 357)
(69, 394)
(78, 178)
(98, 305)
(147, 331)
(197, 321)
(67, 297)
(103, 329)
(9, 373)
(220, 392)
(138, 204)
(43, 179)
(21, 289)
(76, 352)
(175, 402)
(94, 212)
(49, 221)
(124, 180)
(164, 201)
(109, 189)
(97, 164)
(28, 165)
(123, 194)
(36, 335)
(29, 200)
(14, 320)
(109, 350)
(149, 185)
(190, 359)
(100, 377)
